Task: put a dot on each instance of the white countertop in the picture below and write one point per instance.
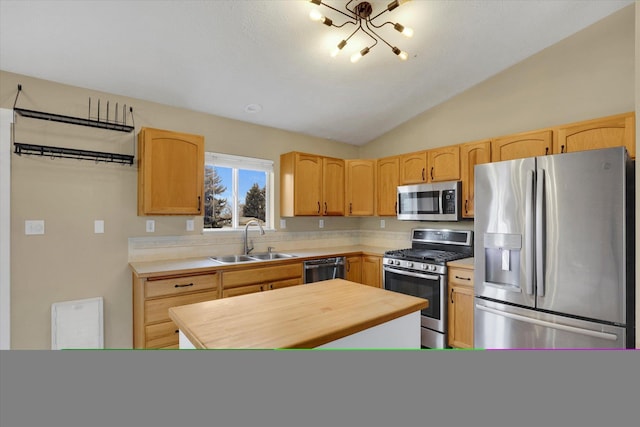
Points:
(195, 265)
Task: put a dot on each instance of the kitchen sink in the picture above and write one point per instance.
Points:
(271, 255)
(232, 259)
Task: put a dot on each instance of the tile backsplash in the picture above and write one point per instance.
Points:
(232, 242)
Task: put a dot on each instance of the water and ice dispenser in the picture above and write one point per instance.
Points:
(502, 260)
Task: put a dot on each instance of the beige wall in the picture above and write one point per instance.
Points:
(637, 82)
(587, 75)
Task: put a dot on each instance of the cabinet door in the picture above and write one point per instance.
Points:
(333, 177)
(361, 187)
(522, 145)
(308, 184)
(170, 173)
(371, 270)
(460, 307)
(388, 181)
(353, 269)
(413, 168)
(614, 131)
(444, 164)
(471, 154)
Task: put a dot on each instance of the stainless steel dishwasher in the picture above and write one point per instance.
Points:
(324, 269)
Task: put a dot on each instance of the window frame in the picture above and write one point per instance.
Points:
(235, 163)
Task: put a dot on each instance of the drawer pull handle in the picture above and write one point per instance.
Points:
(462, 278)
(183, 286)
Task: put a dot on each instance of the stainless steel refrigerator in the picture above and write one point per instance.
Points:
(555, 252)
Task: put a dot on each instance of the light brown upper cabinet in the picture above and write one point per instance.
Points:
(612, 131)
(333, 176)
(444, 164)
(388, 181)
(522, 145)
(471, 154)
(170, 173)
(360, 187)
(311, 185)
(413, 168)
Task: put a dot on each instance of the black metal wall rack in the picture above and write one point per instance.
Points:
(73, 153)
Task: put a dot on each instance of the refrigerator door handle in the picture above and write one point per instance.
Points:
(529, 236)
(573, 329)
(540, 230)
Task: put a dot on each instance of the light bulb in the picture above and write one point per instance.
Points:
(356, 56)
(406, 31)
(338, 48)
(401, 53)
(315, 15)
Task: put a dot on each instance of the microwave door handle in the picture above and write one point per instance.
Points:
(540, 230)
(530, 230)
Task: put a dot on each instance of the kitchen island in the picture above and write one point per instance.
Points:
(329, 314)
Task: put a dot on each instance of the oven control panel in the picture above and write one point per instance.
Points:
(414, 266)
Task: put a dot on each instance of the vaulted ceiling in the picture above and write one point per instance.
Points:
(266, 62)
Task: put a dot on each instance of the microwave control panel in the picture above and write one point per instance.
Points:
(449, 202)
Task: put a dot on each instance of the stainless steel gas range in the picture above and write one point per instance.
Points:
(422, 271)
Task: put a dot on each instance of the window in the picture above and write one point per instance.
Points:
(237, 190)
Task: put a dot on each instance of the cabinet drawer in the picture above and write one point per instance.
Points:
(178, 285)
(156, 310)
(231, 279)
(243, 290)
(284, 283)
(461, 277)
(161, 335)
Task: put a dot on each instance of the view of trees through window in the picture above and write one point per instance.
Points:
(222, 209)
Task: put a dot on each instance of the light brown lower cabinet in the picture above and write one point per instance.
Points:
(372, 270)
(460, 325)
(353, 268)
(152, 298)
(250, 280)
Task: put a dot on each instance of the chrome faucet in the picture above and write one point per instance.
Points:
(248, 249)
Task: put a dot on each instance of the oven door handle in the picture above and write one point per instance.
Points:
(409, 273)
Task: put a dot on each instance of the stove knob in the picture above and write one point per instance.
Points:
(409, 264)
(432, 267)
(397, 262)
(424, 267)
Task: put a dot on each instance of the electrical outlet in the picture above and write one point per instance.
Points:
(382, 223)
(98, 226)
(32, 227)
(151, 226)
(189, 225)
(283, 223)
(321, 223)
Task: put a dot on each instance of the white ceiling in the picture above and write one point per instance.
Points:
(220, 56)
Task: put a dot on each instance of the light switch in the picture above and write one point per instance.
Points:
(321, 223)
(382, 223)
(189, 225)
(98, 226)
(34, 227)
(151, 226)
(283, 223)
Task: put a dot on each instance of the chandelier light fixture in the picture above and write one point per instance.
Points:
(360, 16)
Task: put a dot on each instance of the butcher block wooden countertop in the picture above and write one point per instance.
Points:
(304, 316)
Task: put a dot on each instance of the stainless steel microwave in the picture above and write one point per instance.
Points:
(437, 201)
